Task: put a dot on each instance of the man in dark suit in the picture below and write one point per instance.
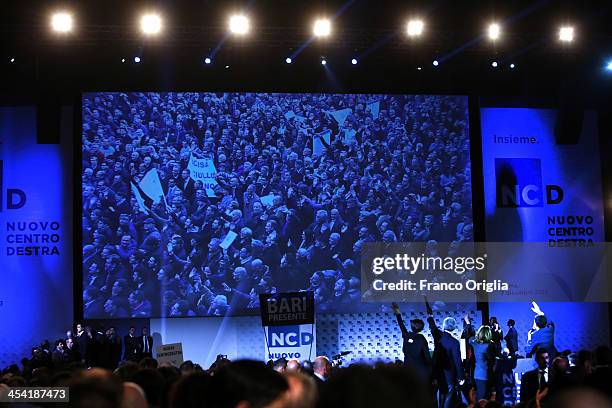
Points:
(511, 338)
(186, 184)
(72, 351)
(447, 368)
(131, 344)
(322, 369)
(542, 335)
(145, 344)
(59, 356)
(82, 341)
(536, 380)
(111, 347)
(416, 349)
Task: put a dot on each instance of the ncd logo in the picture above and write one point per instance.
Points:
(285, 341)
(15, 198)
(519, 184)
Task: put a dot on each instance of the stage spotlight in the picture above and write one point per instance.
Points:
(150, 24)
(609, 65)
(436, 63)
(494, 64)
(415, 28)
(323, 61)
(322, 28)
(566, 34)
(354, 61)
(207, 60)
(12, 60)
(137, 60)
(494, 31)
(419, 68)
(61, 22)
(512, 66)
(288, 60)
(239, 24)
(227, 67)
(122, 60)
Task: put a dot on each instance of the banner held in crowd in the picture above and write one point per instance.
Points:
(203, 170)
(317, 144)
(170, 353)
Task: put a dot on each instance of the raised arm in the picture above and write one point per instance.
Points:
(398, 316)
(468, 328)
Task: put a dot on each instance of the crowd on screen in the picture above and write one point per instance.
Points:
(104, 369)
(302, 187)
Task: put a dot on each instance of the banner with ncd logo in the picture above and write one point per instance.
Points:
(289, 325)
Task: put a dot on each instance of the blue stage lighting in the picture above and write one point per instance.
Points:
(288, 60)
(137, 59)
(354, 61)
(609, 65)
(436, 63)
(323, 61)
(207, 60)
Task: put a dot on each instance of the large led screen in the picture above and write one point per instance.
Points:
(194, 203)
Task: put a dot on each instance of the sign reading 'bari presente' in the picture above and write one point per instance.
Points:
(282, 309)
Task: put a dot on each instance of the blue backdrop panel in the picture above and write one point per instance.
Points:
(35, 237)
(520, 150)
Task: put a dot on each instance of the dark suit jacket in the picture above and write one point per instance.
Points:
(141, 346)
(416, 350)
(512, 340)
(447, 365)
(131, 350)
(112, 352)
(82, 342)
(188, 189)
(530, 384)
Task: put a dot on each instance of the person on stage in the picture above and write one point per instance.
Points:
(131, 344)
(415, 348)
(484, 355)
(542, 334)
(511, 338)
(145, 344)
(447, 367)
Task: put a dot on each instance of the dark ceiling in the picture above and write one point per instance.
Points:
(372, 31)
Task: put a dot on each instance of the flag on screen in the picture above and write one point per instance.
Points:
(317, 144)
(139, 199)
(151, 186)
(374, 109)
(341, 115)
